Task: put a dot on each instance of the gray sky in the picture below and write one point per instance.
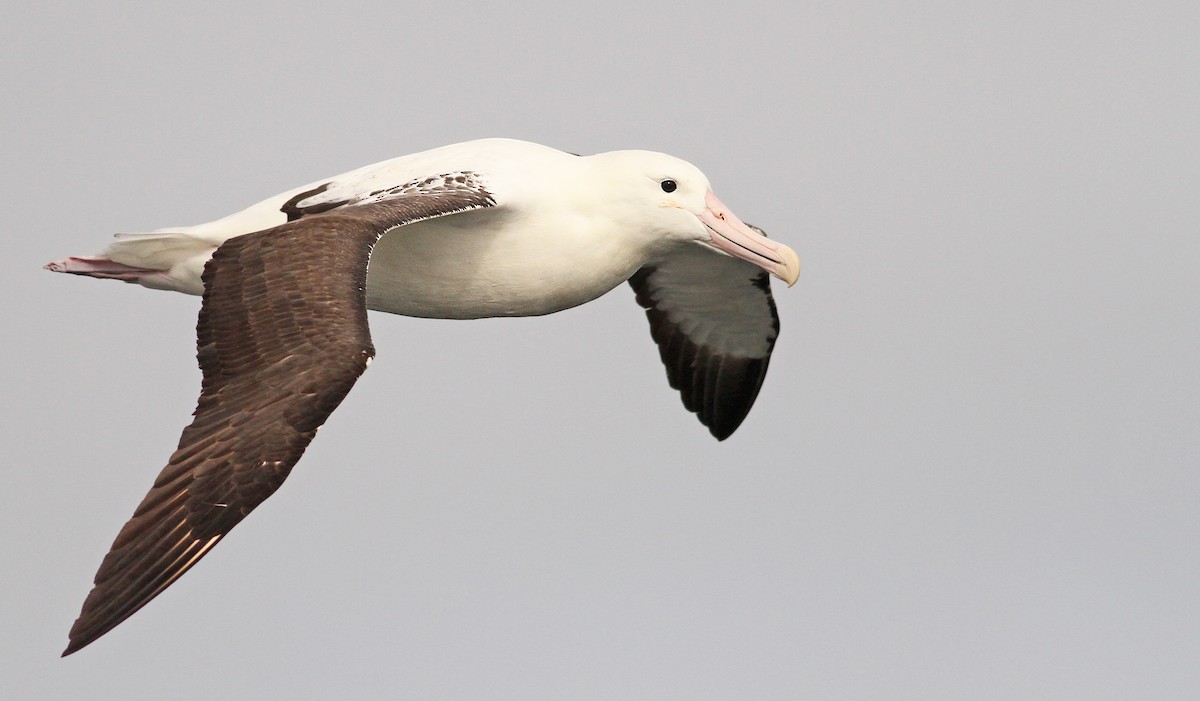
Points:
(972, 471)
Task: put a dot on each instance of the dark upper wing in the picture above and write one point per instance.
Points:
(714, 320)
(282, 336)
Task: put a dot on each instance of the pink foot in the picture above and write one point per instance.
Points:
(100, 267)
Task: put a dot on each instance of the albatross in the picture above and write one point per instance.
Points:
(487, 228)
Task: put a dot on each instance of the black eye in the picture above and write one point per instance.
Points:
(668, 185)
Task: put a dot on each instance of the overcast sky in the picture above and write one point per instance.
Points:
(972, 472)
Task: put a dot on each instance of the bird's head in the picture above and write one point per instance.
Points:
(674, 204)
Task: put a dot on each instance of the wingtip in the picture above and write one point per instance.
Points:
(76, 643)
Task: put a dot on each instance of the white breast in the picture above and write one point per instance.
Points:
(497, 263)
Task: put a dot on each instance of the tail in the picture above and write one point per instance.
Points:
(99, 267)
(162, 261)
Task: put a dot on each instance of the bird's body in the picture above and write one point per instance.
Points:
(485, 228)
(532, 255)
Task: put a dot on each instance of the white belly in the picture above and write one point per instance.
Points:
(476, 264)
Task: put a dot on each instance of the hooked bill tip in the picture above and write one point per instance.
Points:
(789, 265)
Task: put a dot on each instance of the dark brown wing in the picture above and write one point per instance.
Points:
(282, 336)
(714, 320)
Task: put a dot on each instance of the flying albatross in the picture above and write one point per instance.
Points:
(485, 228)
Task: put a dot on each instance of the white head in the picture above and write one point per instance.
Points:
(675, 204)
